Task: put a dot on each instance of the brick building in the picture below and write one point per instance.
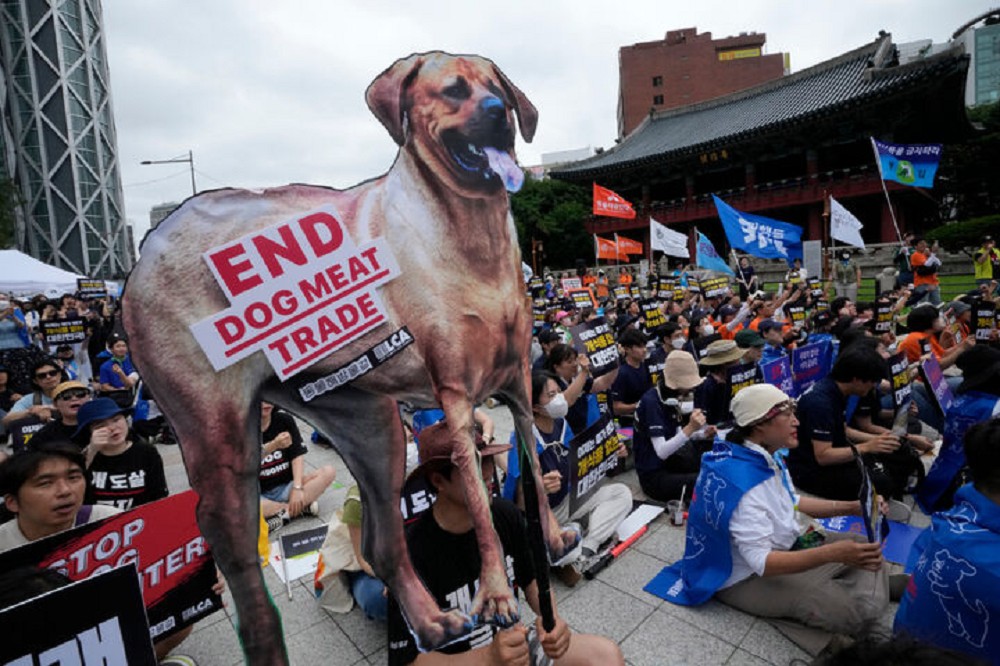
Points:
(686, 68)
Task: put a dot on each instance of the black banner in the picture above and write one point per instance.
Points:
(360, 366)
(796, 313)
(821, 306)
(91, 288)
(652, 317)
(22, 430)
(634, 291)
(594, 339)
(815, 287)
(899, 369)
(713, 287)
(665, 289)
(984, 320)
(99, 620)
(305, 541)
(592, 454)
(694, 286)
(582, 298)
(741, 376)
(63, 331)
(538, 310)
(883, 316)
(621, 293)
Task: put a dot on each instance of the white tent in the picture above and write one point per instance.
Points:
(21, 275)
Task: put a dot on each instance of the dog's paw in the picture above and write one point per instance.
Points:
(441, 629)
(494, 601)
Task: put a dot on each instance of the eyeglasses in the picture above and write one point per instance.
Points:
(73, 394)
(47, 375)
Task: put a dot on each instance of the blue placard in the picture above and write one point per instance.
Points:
(779, 373)
(811, 364)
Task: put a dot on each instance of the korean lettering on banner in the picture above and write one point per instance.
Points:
(713, 287)
(592, 454)
(582, 298)
(797, 314)
(603, 403)
(99, 620)
(694, 285)
(822, 305)
(883, 316)
(571, 283)
(652, 316)
(621, 293)
(811, 364)
(779, 373)
(634, 291)
(63, 331)
(88, 288)
(416, 497)
(900, 371)
(739, 377)
(538, 309)
(984, 319)
(665, 289)
(298, 290)
(163, 541)
(594, 339)
(815, 287)
(535, 285)
(934, 379)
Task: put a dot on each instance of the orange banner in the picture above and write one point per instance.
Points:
(606, 249)
(629, 246)
(609, 204)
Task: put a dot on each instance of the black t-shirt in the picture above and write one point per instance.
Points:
(6, 400)
(630, 385)
(821, 414)
(449, 566)
(276, 467)
(128, 480)
(54, 431)
(712, 397)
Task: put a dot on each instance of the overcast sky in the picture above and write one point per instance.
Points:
(267, 93)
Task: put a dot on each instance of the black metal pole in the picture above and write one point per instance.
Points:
(536, 538)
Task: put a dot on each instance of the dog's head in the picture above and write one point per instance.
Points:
(456, 113)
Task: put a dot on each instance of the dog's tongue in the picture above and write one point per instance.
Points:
(504, 166)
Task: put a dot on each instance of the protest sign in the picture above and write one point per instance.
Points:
(536, 285)
(160, 538)
(883, 316)
(634, 291)
(359, 366)
(63, 331)
(665, 289)
(811, 364)
(621, 293)
(592, 454)
(87, 288)
(298, 554)
(740, 376)
(298, 290)
(603, 403)
(821, 306)
(582, 298)
(652, 316)
(22, 430)
(899, 369)
(796, 313)
(815, 287)
(594, 339)
(99, 620)
(694, 285)
(984, 320)
(571, 283)
(779, 373)
(714, 287)
(937, 387)
(538, 309)
(876, 528)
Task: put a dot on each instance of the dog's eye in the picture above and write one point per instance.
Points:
(458, 90)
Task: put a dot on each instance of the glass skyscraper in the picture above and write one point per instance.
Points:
(57, 136)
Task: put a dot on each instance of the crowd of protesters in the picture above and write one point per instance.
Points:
(748, 460)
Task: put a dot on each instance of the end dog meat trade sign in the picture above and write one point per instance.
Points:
(298, 290)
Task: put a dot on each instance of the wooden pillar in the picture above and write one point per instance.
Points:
(750, 177)
(814, 228)
(887, 233)
(812, 164)
(689, 192)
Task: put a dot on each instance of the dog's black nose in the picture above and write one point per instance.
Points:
(493, 107)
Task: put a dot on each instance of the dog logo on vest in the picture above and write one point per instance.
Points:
(962, 519)
(695, 544)
(966, 619)
(714, 504)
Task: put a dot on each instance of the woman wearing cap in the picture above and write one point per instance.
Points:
(666, 459)
(120, 473)
(68, 397)
(746, 546)
(713, 396)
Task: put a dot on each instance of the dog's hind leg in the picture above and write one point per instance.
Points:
(367, 433)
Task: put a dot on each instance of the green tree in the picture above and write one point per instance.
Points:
(553, 212)
(10, 199)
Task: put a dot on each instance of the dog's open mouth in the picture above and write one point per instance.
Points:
(484, 161)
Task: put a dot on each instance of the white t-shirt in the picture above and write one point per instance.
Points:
(11, 536)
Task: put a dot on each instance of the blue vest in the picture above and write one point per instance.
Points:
(955, 586)
(727, 473)
(967, 410)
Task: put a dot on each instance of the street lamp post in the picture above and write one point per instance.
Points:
(189, 160)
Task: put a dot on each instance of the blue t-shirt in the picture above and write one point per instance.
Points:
(109, 376)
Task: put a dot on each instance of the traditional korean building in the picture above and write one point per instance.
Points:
(779, 148)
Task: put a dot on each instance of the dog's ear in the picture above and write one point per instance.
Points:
(386, 95)
(527, 114)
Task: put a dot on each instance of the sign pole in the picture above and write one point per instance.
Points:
(885, 190)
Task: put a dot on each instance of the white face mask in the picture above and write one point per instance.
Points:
(678, 343)
(687, 406)
(707, 329)
(4, 305)
(557, 408)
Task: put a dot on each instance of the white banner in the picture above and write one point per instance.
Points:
(667, 240)
(844, 226)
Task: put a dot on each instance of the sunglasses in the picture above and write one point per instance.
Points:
(73, 394)
(47, 375)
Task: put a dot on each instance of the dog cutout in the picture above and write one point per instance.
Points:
(442, 212)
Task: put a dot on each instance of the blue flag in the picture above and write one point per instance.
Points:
(909, 164)
(708, 258)
(758, 235)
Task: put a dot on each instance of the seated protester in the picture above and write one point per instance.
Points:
(547, 339)
(925, 325)
(67, 359)
(774, 341)
(823, 463)
(604, 509)
(448, 528)
(633, 377)
(68, 398)
(746, 545)
(822, 327)
(977, 399)
(752, 345)
(120, 473)
(117, 375)
(701, 334)
(629, 316)
(713, 396)
(46, 376)
(572, 373)
(367, 589)
(286, 491)
(666, 459)
(671, 337)
(954, 590)
(960, 330)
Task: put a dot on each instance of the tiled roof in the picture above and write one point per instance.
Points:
(852, 79)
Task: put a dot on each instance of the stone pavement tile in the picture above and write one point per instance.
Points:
(214, 644)
(664, 639)
(301, 613)
(768, 643)
(664, 542)
(742, 658)
(380, 658)
(715, 618)
(322, 644)
(598, 608)
(367, 635)
(630, 573)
